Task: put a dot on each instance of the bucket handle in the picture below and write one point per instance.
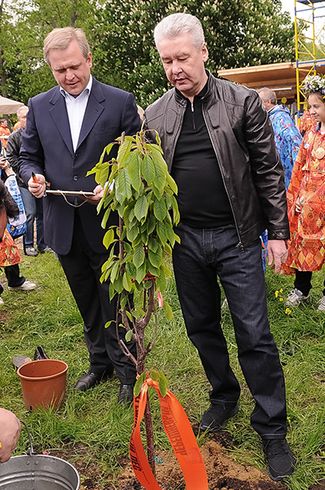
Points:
(30, 451)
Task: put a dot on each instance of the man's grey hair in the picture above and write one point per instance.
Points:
(22, 111)
(61, 37)
(267, 94)
(177, 24)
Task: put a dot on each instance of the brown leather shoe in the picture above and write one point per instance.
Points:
(91, 379)
(125, 396)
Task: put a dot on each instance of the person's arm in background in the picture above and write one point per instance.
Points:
(31, 157)
(13, 148)
(9, 434)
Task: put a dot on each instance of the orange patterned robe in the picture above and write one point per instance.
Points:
(306, 249)
(9, 253)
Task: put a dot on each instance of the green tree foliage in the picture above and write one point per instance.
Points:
(238, 33)
(23, 27)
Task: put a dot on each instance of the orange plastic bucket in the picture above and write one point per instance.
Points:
(43, 383)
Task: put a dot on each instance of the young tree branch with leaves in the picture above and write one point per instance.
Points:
(138, 187)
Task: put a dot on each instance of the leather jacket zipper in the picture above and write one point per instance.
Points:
(193, 115)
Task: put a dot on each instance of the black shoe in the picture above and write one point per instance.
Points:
(91, 379)
(281, 462)
(125, 396)
(216, 416)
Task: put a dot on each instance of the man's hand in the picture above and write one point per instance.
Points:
(98, 194)
(37, 185)
(9, 434)
(277, 253)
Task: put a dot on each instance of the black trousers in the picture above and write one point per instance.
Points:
(203, 256)
(13, 276)
(303, 282)
(82, 268)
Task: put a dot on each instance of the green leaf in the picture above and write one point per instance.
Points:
(109, 238)
(129, 336)
(105, 217)
(161, 171)
(161, 280)
(176, 215)
(154, 374)
(153, 244)
(138, 256)
(114, 271)
(168, 311)
(148, 169)
(122, 186)
(141, 208)
(141, 273)
(133, 170)
(155, 258)
(132, 233)
(127, 283)
(160, 210)
(161, 230)
(138, 384)
(172, 184)
(124, 150)
(109, 323)
(163, 384)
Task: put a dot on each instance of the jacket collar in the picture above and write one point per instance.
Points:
(203, 95)
(59, 113)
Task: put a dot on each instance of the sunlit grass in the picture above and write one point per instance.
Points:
(92, 427)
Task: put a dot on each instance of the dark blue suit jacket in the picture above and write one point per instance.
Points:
(47, 149)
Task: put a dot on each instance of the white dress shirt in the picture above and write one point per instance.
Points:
(76, 108)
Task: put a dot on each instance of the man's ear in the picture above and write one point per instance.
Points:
(205, 52)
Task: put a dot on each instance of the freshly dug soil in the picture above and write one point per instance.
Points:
(223, 472)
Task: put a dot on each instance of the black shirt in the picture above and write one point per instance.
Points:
(202, 198)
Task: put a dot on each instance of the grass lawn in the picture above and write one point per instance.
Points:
(95, 431)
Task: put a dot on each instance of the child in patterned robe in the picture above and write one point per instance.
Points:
(306, 202)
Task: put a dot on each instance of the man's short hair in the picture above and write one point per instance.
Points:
(23, 109)
(267, 94)
(177, 24)
(61, 37)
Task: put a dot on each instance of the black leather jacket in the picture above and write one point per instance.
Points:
(243, 141)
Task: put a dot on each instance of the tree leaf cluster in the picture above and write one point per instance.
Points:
(138, 187)
(121, 37)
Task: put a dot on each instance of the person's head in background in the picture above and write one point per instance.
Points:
(22, 114)
(268, 98)
(4, 123)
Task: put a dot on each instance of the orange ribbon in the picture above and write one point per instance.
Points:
(181, 438)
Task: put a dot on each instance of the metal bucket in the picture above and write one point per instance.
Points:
(38, 472)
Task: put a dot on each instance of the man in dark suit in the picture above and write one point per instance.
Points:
(67, 129)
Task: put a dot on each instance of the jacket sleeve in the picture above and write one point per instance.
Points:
(266, 168)
(13, 147)
(31, 158)
(130, 118)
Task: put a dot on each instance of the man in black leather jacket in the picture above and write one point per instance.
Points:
(219, 146)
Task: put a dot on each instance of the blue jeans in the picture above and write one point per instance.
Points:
(203, 256)
(34, 211)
